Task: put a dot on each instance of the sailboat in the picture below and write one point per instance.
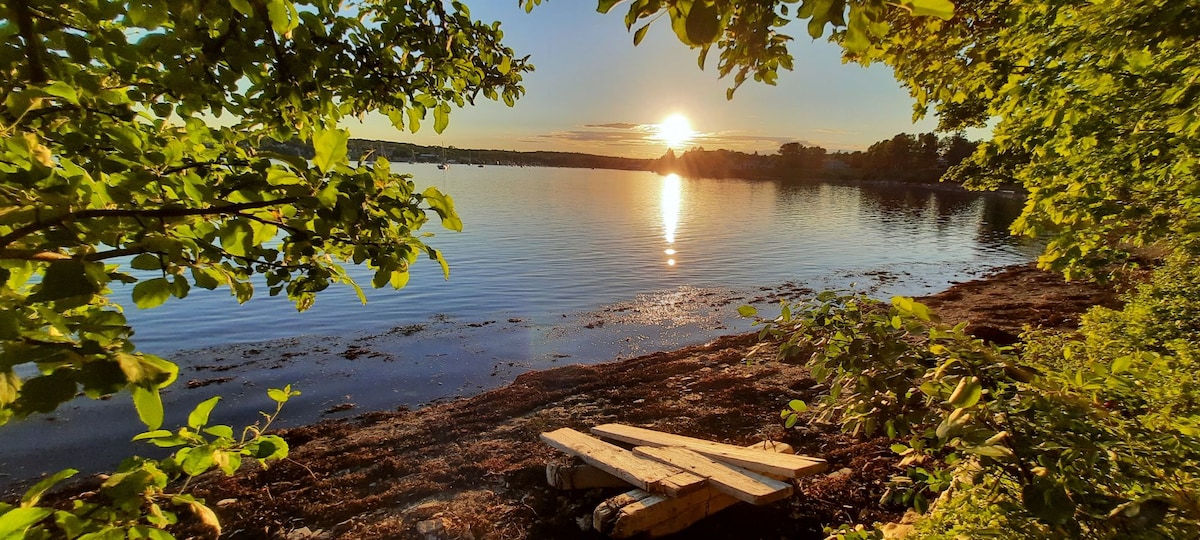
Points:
(444, 164)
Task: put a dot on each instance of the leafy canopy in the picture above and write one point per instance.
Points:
(135, 137)
(1093, 102)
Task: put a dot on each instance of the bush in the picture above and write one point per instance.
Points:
(1090, 435)
(142, 497)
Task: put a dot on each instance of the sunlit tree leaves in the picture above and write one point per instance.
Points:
(111, 159)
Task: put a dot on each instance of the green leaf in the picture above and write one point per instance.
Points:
(942, 9)
(441, 117)
(279, 396)
(62, 91)
(703, 22)
(34, 494)
(441, 260)
(220, 431)
(155, 434)
(640, 34)
(797, 405)
(330, 147)
(444, 206)
(603, 6)
(199, 415)
(151, 293)
(235, 237)
(243, 6)
(857, 38)
(415, 115)
(1122, 364)
(64, 279)
(967, 393)
(747, 311)
(202, 512)
(146, 369)
(149, 406)
(44, 394)
(283, 15)
(146, 261)
(991, 450)
(15, 522)
(148, 15)
(399, 279)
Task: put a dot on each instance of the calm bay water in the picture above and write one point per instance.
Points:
(554, 266)
(539, 243)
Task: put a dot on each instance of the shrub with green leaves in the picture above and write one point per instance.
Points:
(1065, 452)
(141, 499)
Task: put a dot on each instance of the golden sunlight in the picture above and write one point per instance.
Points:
(671, 198)
(675, 131)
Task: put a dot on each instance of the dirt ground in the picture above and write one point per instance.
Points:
(476, 466)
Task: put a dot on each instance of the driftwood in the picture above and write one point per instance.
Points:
(760, 461)
(637, 512)
(646, 474)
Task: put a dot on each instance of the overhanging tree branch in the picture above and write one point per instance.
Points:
(31, 228)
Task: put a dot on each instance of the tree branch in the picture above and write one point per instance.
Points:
(31, 228)
(33, 50)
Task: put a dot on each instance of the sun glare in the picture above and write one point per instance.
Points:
(675, 131)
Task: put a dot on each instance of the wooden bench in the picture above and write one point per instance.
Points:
(679, 480)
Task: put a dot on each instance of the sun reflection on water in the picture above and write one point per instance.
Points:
(671, 198)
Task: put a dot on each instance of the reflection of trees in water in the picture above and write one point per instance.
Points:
(999, 211)
(902, 210)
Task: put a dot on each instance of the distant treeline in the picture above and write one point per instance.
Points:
(414, 153)
(904, 157)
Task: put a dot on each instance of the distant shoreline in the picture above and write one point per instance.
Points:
(692, 164)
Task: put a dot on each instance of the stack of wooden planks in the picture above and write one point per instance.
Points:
(679, 480)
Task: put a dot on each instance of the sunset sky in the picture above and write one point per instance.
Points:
(594, 92)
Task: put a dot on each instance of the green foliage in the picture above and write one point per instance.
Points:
(1093, 108)
(914, 488)
(112, 160)
(1070, 437)
(1093, 101)
(749, 34)
(874, 358)
(143, 497)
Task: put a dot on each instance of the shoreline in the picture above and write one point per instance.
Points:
(476, 463)
(412, 365)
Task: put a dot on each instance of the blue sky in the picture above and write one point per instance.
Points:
(595, 92)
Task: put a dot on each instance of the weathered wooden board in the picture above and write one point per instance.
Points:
(637, 512)
(580, 477)
(731, 480)
(760, 461)
(647, 474)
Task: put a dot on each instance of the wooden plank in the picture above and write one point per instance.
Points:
(731, 480)
(606, 512)
(637, 512)
(580, 477)
(666, 515)
(760, 461)
(647, 474)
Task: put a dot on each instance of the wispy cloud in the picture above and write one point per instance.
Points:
(835, 131)
(621, 125)
(737, 139)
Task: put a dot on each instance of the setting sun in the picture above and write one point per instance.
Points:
(675, 131)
